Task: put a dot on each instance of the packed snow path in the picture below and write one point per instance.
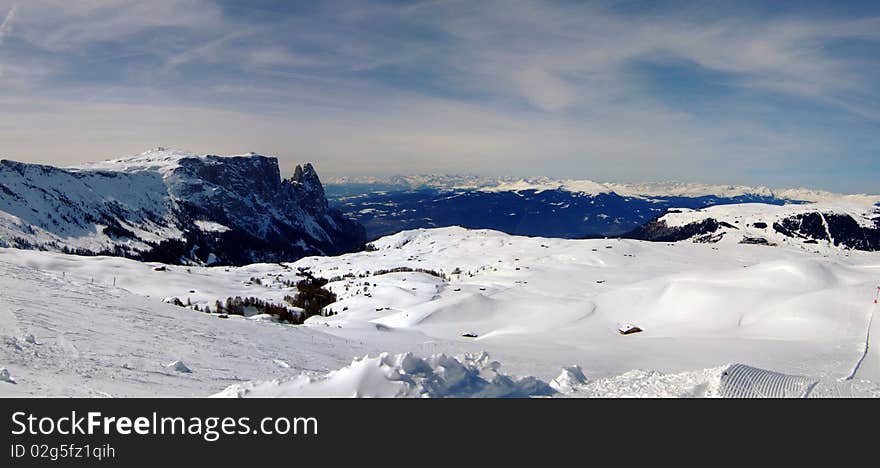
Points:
(868, 365)
(741, 381)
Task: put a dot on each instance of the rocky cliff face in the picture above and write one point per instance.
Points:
(658, 231)
(837, 229)
(174, 207)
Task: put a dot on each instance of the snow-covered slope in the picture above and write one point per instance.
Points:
(535, 305)
(818, 227)
(62, 335)
(173, 206)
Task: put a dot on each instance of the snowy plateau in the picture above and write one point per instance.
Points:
(441, 312)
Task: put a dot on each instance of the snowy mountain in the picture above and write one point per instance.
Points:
(815, 226)
(175, 207)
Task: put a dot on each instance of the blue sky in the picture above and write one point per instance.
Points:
(782, 94)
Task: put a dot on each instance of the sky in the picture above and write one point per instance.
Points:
(782, 94)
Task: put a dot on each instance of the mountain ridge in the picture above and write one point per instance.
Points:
(173, 206)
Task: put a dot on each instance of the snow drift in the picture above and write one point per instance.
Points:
(402, 375)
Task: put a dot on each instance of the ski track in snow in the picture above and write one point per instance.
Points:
(868, 365)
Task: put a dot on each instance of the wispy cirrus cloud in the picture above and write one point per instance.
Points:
(59, 25)
(6, 25)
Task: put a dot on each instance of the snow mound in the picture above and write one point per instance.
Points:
(264, 318)
(571, 378)
(179, 366)
(401, 375)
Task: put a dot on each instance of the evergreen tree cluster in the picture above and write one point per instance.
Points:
(410, 270)
(311, 295)
(385, 271)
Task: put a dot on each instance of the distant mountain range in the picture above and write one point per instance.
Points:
(356, 185)
(179, 207)
(539, 206)
(174, 207)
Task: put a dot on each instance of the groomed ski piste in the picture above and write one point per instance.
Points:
(503, 316)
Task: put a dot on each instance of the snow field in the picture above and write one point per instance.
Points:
(536, 305)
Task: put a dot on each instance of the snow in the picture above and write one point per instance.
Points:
(210, 226)
(572, 377)
(741, 381)
(746, 214)
(402, 375)
(744, 217)
(5, 376)
(165, 160)
(55, 215)
(179, 366)
(703, 383)
(97, 340)
(536, 305)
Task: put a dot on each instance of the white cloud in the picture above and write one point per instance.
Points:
(544, 90)
(6, 25)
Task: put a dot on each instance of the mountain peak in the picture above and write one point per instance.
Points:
(305, 174)
(306, 182)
